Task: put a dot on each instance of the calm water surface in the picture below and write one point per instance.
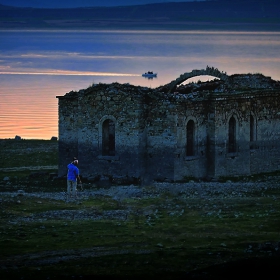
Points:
(37, 66)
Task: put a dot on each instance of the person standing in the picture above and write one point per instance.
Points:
(72, 176)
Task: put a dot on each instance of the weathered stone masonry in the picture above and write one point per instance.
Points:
(225, 127)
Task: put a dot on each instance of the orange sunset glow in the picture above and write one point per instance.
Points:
(36, 66)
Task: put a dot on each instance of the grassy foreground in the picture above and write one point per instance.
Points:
(163, 235)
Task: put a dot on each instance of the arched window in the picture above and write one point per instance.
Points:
(108, 138)
(232, 135)
(190, 138)
(253, 132)
(252, 129)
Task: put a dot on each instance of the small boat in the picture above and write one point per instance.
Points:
(149, 74)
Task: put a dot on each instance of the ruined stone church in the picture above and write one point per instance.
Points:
(229, 126)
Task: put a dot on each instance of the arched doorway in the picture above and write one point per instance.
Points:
(190, 138)
(232, 135)
(108, 138)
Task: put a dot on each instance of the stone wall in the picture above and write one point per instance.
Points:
(230, 163)
(151, 131)
(251, 157)
(123, 107)
(265, 155)
(68, 131)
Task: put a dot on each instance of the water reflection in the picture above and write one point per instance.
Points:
(38, 66)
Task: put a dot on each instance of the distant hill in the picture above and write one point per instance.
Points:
(54, 4)
(236, 15)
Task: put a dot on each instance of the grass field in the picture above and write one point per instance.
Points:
(162, 235)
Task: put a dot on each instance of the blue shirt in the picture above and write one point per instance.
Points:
(73, 172)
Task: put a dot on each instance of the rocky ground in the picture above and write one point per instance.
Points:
(203, 191)
(210, 198)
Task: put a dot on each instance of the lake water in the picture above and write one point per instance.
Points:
(37, 66)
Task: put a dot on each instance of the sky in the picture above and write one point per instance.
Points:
(37, 66)
(81, 3)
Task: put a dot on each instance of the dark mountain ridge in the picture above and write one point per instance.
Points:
(54, 4)
(161, 15)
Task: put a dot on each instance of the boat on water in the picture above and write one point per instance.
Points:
(149, 74)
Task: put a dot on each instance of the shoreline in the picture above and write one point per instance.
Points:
(140, 26)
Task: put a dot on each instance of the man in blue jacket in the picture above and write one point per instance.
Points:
(72, 176)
